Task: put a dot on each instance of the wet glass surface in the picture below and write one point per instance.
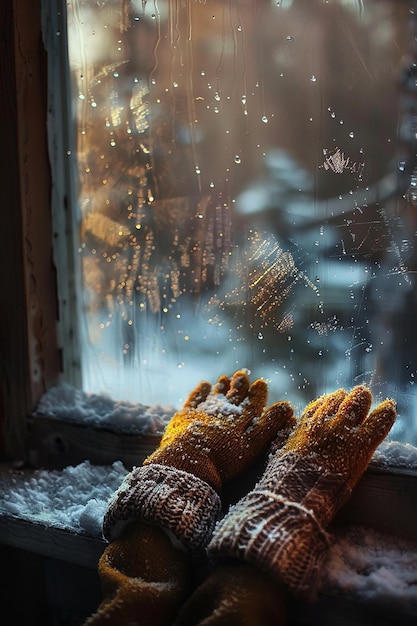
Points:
(247, 196)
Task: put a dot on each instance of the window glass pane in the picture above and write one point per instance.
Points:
(245, 195)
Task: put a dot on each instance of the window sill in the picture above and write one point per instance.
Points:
(67, 547)
(383, 500)
(54, 444)
(51, 542)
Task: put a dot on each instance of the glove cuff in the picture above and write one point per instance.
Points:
(302, 479)
(280, 537)
(177, 501)
(279, 526)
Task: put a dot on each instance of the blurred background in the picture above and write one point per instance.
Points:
(246, 196)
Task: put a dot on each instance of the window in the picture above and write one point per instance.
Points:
(244, 196)
(30, 357)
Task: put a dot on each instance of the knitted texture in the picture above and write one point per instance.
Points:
(144, 579)
(235, 595)
(275, 526)
(177, 501)
(281, 524)
(220, 432)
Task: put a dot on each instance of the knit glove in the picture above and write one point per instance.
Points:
(281, 524)
(144, 579)
(214, 438)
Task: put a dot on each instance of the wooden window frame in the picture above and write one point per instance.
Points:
(28, 327)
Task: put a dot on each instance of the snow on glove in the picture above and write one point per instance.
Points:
(214, 438)
(280, 525)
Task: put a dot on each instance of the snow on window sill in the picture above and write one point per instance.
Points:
(59, 514)
(66, 402)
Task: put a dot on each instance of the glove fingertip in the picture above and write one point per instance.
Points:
(223, 385)
(351, 408)
(239, 387)
(380, 421)
(312, 407)
(276, 424)
(278, 415)
(198, 395)
(258, 394)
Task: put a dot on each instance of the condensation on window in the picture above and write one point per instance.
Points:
(247, 196)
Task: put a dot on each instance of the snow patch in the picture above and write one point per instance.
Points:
(395, 454)
(374, 568)
(218, 404)
(71, 499)
(67, 403)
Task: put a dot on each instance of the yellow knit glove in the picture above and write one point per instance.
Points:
(280, 525)
(339, 433)
(235, 594)
(144, 579)
(220, 432)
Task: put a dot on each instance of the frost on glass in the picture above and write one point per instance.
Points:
(246, 195)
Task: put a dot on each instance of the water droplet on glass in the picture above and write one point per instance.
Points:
(237, 159)
(243, 99)
(313, 78)
(217, 96)
(260, 336)
(333, 114)
(290, 38)
(265, 119)
(351, 134)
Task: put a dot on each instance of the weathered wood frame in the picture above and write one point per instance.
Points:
(30, 359)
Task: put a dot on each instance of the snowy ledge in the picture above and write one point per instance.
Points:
(70, 425)
(59, 513)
